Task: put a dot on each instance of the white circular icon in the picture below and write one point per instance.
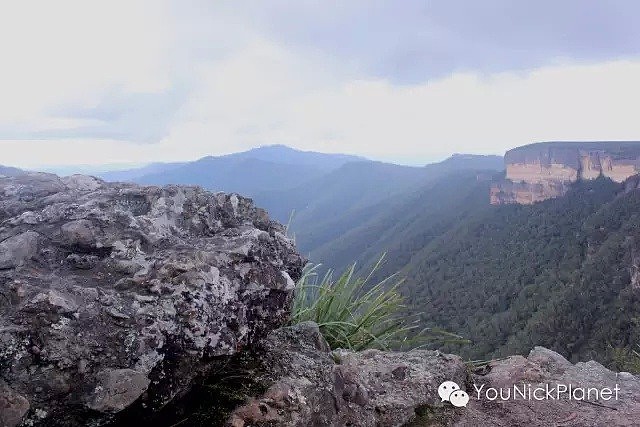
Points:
(446, 388)
(459, 398)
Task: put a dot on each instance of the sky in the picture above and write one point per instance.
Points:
(133, 81)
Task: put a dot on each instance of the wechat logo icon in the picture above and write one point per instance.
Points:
(450, 392)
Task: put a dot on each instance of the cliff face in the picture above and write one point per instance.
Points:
(542, 171)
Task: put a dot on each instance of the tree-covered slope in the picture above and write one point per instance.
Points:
(345, 206)
(402, 226)
(334, 203)
(557, 274)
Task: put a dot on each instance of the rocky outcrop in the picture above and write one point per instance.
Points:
(307, 385)
(115, 297)
(588, 402)
(541, 171)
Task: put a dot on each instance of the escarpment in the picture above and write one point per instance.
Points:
(542, 171)
(114, 298)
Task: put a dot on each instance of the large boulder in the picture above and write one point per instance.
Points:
(115, 297)
(307, 385)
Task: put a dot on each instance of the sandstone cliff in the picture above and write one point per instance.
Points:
(545, 170)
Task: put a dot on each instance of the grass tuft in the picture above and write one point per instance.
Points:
(354, 314)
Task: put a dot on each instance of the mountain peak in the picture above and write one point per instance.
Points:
(10, 171)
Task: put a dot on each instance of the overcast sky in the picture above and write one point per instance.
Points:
(89, 82)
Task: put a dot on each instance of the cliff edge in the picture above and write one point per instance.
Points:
(115, 298)
(307, 385)
(541, 171)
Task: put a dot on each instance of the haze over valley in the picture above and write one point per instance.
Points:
(525, 273)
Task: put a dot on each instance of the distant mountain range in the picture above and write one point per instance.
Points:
(250, 172)
(324, 195)
(9, 171)
(328, 208)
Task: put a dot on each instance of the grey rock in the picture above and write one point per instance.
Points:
(116, 389)
(116, 297)
(82, 182)
(52, 301)
(306, 385)
(12, 406)
(16, 250)
(80, 233)
(543, 367)
(309, 386)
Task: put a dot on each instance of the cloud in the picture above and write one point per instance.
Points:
(73, 49)
(298, 104)
(419, 40)
(466, 112)
(138, 81)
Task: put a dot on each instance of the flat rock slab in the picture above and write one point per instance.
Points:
(307, 385)
(542, 368)
(115, 296)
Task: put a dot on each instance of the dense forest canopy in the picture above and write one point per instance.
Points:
(556, 274)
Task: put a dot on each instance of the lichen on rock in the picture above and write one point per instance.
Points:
(114, 296)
